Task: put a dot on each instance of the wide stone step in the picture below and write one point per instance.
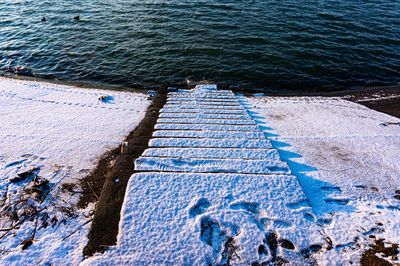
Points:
(207, 127)
(209, 134)
(201, 103)
(206, 116)
(213, 153)
(201, 93)
(212, 99)
(202, 106)
(206, 121)
(211, 165)
(203, 111)
(210, 143)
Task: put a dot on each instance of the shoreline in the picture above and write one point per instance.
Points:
(385, 99)
(328, 92)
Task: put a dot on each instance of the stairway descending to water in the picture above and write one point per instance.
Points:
(212, 189)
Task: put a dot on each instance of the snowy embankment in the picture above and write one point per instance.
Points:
(235, 180)
(52, 135)
(347, 160)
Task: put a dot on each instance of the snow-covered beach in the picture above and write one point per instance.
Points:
(61, 131)
(226, 178)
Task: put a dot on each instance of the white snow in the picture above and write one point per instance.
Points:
(63, 130)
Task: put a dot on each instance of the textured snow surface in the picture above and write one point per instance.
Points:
(63, 130)
(171, 218)
(58, 121)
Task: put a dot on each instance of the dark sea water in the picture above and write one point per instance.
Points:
(278, 44)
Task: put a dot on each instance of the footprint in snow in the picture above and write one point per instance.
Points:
(211, 233)
(247, 206)
(15, 163)
(276, 223)
(397, 196)
(273, 242)
(309, 216)
(389, 124)
(199, 207)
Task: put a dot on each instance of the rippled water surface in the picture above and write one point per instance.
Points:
(293, 44)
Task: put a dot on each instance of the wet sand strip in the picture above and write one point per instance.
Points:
(104, 229)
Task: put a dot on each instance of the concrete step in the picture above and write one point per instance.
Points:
(210, 143)
(211, 165)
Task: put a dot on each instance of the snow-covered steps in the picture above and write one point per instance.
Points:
(209, 131)
(210, 143)
(199, 219)
(211, 184)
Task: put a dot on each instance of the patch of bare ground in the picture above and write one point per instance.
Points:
(370, 258)
(108, 181)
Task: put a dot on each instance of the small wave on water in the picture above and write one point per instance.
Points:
(297, 45)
